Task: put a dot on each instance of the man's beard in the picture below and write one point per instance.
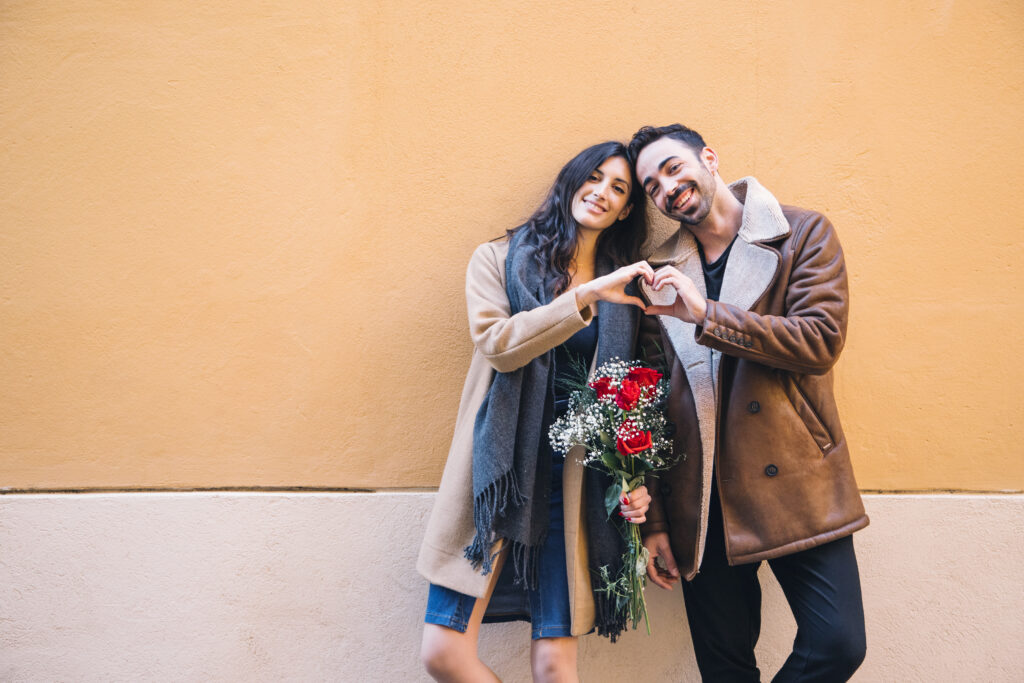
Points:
(706, 190)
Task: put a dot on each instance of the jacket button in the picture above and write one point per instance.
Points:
(771, 470)
(665, 490)
(754, 407)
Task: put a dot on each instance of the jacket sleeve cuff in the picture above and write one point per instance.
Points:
(717, 336)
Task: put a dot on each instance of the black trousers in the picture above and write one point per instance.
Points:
(822, 586)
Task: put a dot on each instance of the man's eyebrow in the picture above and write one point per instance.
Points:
(648, 180)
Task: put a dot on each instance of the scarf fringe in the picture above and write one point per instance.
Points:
(608, 621)
(494, 500)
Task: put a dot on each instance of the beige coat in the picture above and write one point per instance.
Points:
(502, 342)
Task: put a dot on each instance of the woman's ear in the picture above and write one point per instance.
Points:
(625, 212)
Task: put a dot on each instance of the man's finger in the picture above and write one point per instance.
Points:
(669, 561)
(655, 577)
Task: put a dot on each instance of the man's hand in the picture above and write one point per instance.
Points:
(690, 305)
(658, 546)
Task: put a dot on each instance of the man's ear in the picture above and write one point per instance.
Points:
(625, 212)
(709, 158)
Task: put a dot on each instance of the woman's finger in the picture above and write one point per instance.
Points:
(638, 499)
(636, 302)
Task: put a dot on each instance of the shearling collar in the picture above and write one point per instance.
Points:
(763, 221)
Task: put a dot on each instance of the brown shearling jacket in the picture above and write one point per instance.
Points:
(752, 395)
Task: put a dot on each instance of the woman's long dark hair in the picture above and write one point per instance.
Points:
(555, 232)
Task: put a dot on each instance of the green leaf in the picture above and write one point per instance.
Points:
(610, 460)
(635, 482)
(611, 498)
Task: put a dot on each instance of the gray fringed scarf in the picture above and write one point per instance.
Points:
(510, 481)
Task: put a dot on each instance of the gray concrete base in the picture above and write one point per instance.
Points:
(321, 587)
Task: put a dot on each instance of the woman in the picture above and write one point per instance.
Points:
(509, 536)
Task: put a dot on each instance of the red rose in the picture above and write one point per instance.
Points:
(645, 377)
(603, 386)
(631, 440)
(629, 394)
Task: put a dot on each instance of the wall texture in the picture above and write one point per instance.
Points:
(232, 245)
(233, 236)
(284, 587)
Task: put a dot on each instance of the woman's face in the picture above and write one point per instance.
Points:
(604, 196)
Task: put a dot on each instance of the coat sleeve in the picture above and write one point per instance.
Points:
(809, 337)
(507, 341)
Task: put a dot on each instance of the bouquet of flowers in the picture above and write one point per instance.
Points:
(618, 418)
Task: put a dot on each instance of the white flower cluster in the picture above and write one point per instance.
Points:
(597, 420)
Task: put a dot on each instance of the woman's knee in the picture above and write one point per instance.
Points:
(553, 659)
(441, 653)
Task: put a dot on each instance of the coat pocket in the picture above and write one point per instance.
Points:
(815, 427)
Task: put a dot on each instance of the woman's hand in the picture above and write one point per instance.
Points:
(634, 504)
(612, 287)
(689, 305)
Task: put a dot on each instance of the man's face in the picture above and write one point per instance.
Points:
(677, 180)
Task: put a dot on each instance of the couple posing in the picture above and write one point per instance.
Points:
(751, 316)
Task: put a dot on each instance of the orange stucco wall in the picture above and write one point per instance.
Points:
(234, 234)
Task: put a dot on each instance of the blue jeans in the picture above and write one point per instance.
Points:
(546, 607)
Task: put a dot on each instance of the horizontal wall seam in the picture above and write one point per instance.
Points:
(216, 489)
(399, 489)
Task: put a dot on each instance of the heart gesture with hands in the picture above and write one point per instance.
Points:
(612, 287)
(689, 305)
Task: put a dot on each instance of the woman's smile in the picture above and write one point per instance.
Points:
(603, 198)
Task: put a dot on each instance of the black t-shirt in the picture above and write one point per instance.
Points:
(714, 272)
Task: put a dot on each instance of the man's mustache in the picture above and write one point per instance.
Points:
(678, 191)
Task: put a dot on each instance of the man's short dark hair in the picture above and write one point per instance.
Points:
(677, 131)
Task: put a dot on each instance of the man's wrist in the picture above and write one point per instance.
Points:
(702, 315)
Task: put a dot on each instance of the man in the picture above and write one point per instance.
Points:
(751, 304)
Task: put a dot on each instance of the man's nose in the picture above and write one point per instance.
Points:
(667, 186)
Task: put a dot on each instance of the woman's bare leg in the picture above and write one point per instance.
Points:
(450, 656)
(553, 660)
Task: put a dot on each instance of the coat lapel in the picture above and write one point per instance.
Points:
(749, 271)
(751, 268)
